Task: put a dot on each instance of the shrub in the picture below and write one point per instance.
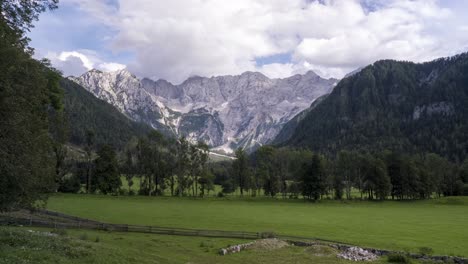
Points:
(267, 235)
(97, 239)
(220, 194)
(69, 184)
(426, 251)
(399, 258)
(131, 192)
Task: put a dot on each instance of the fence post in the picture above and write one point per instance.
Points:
(30, 221)
(79, 224)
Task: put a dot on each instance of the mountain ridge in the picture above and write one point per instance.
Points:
(395, 105)
(84, 112)
(226, 112)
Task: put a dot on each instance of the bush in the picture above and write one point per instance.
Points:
(69, 184)
(399, 258)
(220, 195)
(267, 235)
(97, 239)
(131, 192)
(426, 251)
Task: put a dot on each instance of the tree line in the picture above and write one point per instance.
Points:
(294, 173)
(156, 162)
(163, 165)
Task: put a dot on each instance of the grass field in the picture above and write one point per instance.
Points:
(439, 224)
(17, 245)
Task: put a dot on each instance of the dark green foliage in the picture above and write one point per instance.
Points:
(87, 113)
(19, 15)
(464, 171)
(338, 186)
(400, 106)
(265, 175)
(27, 92)
(376, 180)
(227, 187)
(313, 179)
(221, 171)
(399, 258)
(288, 129)
(106, 174)
(427, 251)
(155, 162)
(240, 170)
(206, 182)
(70, 184)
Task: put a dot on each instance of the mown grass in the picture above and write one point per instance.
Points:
(78, 246)
(440, 224)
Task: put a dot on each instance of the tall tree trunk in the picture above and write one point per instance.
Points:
(149, 184)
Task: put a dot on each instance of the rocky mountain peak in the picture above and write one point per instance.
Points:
(227, 112)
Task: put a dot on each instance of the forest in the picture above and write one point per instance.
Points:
(401, 106)
(160, 164)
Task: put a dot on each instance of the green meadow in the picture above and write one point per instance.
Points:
(441, 224)
(17, 245)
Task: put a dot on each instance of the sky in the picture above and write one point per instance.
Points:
(176, 39)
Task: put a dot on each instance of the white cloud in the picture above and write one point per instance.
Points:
(110, 66)
(77, 62)
(178, 38)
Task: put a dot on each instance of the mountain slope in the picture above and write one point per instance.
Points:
(85, 112)
(288, 129)
(394, 105)
(225, 112)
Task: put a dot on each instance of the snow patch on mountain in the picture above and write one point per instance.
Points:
(226, 112)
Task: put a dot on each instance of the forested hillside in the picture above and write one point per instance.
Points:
(399, 106)
(85, 113)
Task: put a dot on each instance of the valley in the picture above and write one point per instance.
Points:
(254, 131)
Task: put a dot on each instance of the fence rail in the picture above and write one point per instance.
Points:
(82, 223)
(79, 223)
(74, 222)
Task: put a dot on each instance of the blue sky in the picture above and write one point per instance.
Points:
(176, 39)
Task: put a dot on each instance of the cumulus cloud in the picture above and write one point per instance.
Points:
(77, 62)
(179, 38)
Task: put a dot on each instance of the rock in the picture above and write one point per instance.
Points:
(268, 244)
(357, 254)
(226, 112)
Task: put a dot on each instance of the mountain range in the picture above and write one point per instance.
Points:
(84, 112)
(400, 106)
(226, 112)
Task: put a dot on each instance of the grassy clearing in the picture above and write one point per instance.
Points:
(438, 224)
(78, 246)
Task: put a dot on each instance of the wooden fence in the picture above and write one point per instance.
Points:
(66, 221)
(94, 225)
